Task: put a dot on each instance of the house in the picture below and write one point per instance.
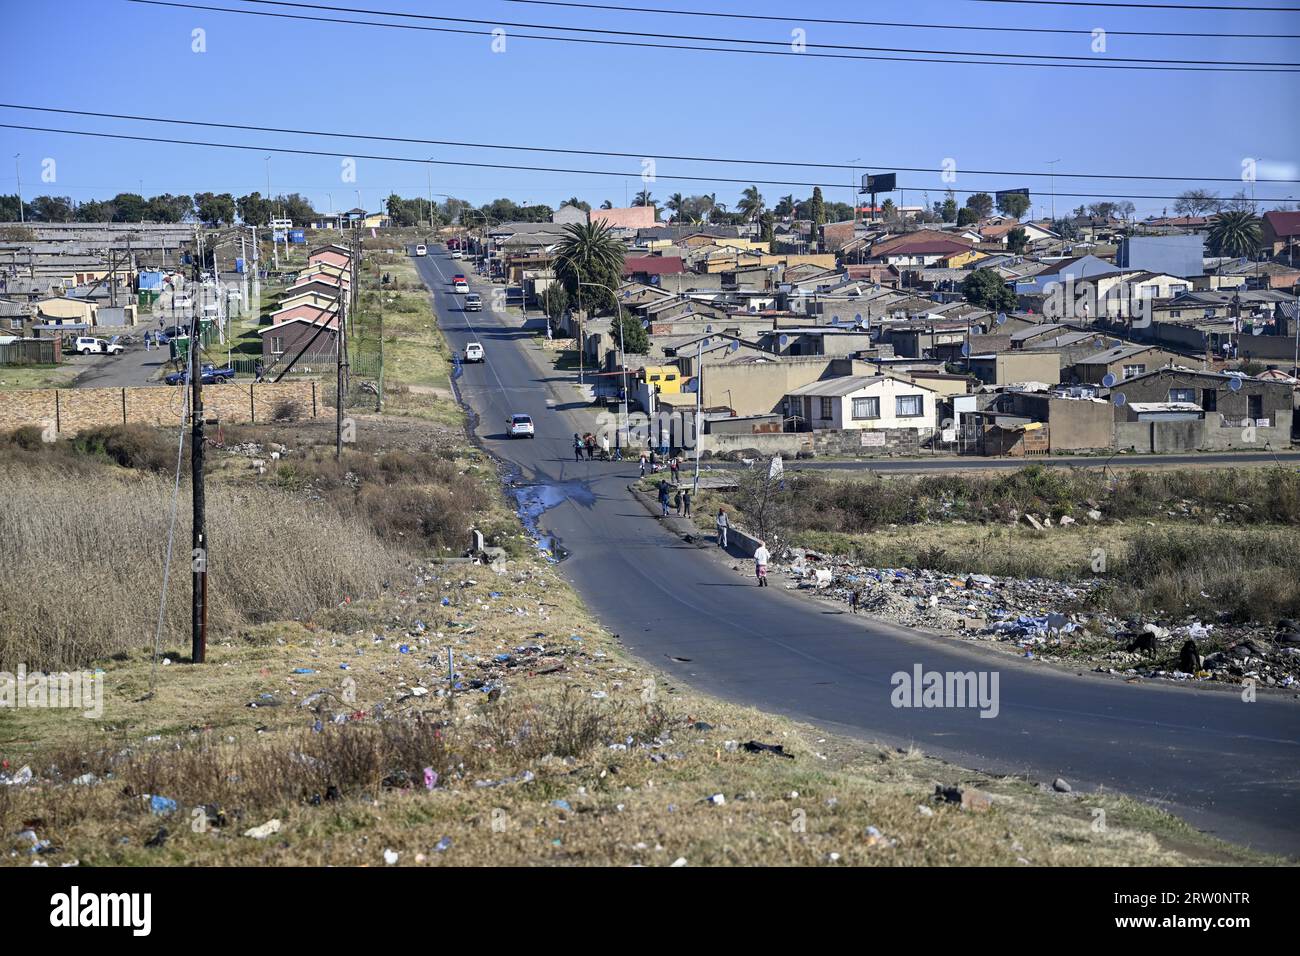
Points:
(635, 217)
(1073, 424)
(1181, 409)
(1123, 362)
(291, 336)
(1011, 367)
(318, 300)
(922, 248)
(861, 402)
(646, 268)
(338, 256)
(568, 215)
(311, 312)
(1280, 233)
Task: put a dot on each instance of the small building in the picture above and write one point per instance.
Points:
(288, 338)
(852, 402)
(1124, 362)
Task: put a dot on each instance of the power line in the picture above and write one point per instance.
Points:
(1160, 65)
(1148, 6)
(615, 154)
(835, 21)
(538, 169)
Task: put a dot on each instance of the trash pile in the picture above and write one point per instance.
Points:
(1044, 619)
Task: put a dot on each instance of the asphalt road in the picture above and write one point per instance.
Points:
(1229, 767)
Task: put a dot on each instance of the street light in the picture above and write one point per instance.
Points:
(622, 363)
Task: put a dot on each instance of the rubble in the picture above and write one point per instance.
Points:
(1052, 620)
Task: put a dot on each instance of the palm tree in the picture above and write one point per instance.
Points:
(1234, 233)
(751, 203)
(589, 253)
(643, 198)
(607, 205)
(674, 204)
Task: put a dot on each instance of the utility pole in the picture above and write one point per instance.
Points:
(338, 378)
(18, 174)
(199, 538)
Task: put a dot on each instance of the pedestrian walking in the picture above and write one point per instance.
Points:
(761, 557)
(604, 448)
(645, 460)
(677, 502)
(686, 502)
(723, 524)
(590, 441)
(577, 447)
(675, 467)
(663, 496)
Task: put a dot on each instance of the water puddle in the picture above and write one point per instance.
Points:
(532, 501)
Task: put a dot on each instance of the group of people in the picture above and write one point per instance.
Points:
(653, 462)
(680, 497)
(588, 443)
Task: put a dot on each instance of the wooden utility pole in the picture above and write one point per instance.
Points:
(199, 537)
(340, 360)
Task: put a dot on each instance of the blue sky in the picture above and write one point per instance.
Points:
(117, 56)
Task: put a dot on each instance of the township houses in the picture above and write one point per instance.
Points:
(304, 328)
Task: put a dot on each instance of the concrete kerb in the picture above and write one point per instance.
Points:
(740, 544)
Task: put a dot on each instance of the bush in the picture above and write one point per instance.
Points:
(131, 446)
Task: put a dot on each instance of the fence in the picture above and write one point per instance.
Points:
(30, 352)
(69, 410)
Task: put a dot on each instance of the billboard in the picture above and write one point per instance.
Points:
(297, 236)
(1011, 192)
(879, 182)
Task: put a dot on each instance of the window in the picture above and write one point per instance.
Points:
(864, 408)
(1175, 313)
(1133, 370)
(277, 345)
(16, 324)
(1255, 406)
(828, 408)
(910, 406)
(1182, 395)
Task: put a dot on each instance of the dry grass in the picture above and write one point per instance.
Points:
(84, 552)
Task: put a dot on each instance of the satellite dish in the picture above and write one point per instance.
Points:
(735, 346)
(965, 348)
(1002, 317)
(708, 328)
(835, 320)
(1119, 398)
(976, 330)
(1235, 384)
(784, 340)
(1256, 330)
(705, 343)
(858, 317)
(1108, 379)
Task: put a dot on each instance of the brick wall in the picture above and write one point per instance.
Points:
(72, 409)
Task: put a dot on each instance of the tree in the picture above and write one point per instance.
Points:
(674, 204)
(888, 211)
(980, 203)
(634, 339)
(169, 208)
(9, 208)
(1065, 228)
(1017, 239)
(988, 290)
(817, 210)
(555, 300)
(1125, 208)
(406, 212)
(607, 205)
(299, 209)
(1197, 202)
(95, 210)
(966, 216)
(751, 204)
(1101, 210)
(784, 206)
(838, 211)
(589, 253)
(129, 207)
(213, 208)
(1241, 202)
(254, 210)
(770, 505)
(768, 224)
(575, 201)
(643, 198)
(1014, 205)
(948, 211)
(1234, 233)
(53, 208)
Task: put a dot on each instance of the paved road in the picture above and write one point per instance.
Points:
(1229, 767)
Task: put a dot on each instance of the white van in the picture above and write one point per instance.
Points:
(420, 250)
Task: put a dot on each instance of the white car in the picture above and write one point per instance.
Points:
(521, 426)
(473, 352)
(89, 345)
(421, 250)
(457, 254)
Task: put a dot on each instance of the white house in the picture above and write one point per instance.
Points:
(871, 402)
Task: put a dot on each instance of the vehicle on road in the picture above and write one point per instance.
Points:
(421, 250)
(521, 426)
(457, 254)
(473, 302)
(473, 352)
(89, 345)
(459, 284)
(182, 301)
(211, 375)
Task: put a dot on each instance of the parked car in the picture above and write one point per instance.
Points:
(210, 375)
(521, 426)
(473, 302)
(473, 352)
(89, 345)
(457, 254)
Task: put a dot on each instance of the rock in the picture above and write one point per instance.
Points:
(1094, 515)
(975, 801)
(1033, 522)
(1060, 785)
(1066, 521)
(265, 830)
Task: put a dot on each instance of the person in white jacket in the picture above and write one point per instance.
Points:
(761, 557)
